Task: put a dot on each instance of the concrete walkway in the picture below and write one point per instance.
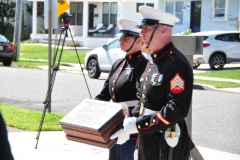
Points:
(55, 146)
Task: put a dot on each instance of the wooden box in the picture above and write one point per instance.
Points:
(93, 122)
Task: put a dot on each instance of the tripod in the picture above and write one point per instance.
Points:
(55, 68)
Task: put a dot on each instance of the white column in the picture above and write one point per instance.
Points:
(85, 18)
(239, 16)
(34, 18)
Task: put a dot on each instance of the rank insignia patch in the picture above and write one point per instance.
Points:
(177, 84)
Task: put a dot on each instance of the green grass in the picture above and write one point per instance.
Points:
(34, 63)
(230, 74)
(29, 119)
(217, 84)
(34, 52)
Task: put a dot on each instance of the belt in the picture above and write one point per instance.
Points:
(145, 111)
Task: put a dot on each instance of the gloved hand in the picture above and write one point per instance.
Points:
(129, 125)
(121, 135)
(135, 155)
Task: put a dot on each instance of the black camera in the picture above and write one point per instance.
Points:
(66, 17)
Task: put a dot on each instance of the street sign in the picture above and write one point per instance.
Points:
(62, 6)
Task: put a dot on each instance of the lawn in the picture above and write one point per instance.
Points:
(29, 119)
(217, 84)
(230, 74)
(34, 52)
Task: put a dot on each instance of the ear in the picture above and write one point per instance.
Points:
(164, 29)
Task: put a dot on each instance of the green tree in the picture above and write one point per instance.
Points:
(7, 10)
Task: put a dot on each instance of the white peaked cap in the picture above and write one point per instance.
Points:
(128, 28)
(152, 16)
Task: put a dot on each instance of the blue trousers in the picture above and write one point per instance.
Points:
(123, 151)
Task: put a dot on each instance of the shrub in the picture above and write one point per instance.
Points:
(189, 31)
(43, 30)
(25, 34)
(71, 44)
(8, 31)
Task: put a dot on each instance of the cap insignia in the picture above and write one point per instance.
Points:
(155, 55)
(159, 21)
(140, 11)
(130, 56)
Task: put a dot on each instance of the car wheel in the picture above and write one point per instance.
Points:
(93, 69)
(217, 61)
(195, 66)
(7, 63)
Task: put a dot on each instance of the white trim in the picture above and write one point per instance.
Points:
(85, 18)
(34, 18)
(225, 18)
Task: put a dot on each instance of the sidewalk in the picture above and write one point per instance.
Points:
(55, 146)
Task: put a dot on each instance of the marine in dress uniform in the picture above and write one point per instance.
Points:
(166, 93)
(122, 81)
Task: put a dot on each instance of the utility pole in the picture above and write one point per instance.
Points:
(49, 47)
(17, 28)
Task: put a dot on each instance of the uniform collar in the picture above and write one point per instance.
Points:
(132, 56)
(163, 51)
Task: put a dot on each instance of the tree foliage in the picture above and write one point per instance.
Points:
(7, 10)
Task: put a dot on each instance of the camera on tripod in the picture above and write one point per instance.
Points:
(66, 17)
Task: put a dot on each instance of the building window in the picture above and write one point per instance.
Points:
(109, 13)
(143, 4)
(219, 10)
(113, 13)
(76, 8)
(175, 8)
(105, 13)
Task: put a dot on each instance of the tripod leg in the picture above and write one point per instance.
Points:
(55, 55)
(80, 64)
(49, 91)
(41, 123)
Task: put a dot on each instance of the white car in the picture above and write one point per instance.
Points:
(219, 48)
(102, 58)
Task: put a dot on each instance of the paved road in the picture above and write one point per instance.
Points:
(215, 114)
(27, 88)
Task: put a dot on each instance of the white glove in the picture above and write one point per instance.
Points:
(135, 155)
(122, 136)
(129, 125)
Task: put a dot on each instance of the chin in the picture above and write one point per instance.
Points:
(145, 44)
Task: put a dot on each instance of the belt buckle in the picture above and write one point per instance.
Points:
(142, 111)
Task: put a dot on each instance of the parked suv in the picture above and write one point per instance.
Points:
(102, 58)
(219, 48)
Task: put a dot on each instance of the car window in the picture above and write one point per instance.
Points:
(236, 37)
(114, 44)
(232, 37)
(3, 39)
(220, 37)
(205, 37)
